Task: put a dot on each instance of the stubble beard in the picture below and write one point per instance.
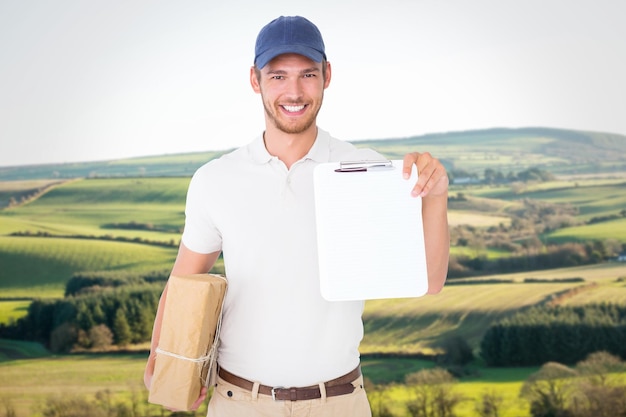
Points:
(273, 114)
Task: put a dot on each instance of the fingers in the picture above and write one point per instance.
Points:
(432, 176)
(407, 167)
(200, 399)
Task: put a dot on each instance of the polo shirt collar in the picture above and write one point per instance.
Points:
(319, 152)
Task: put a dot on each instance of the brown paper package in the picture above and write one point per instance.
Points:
(190, 319)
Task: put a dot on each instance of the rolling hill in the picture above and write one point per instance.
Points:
(560, 151)
(128, 214)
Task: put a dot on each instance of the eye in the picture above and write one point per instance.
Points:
(310, 75)
(278, 77)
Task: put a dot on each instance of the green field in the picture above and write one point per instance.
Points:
(13, 310)
(614, 229)
(506, 382)
(419, 324)
(402, 325)
(79, 225)
(599, 206)
(29, 382)
(40, 267)
(562, 151)
(592, 197)
(96, 207)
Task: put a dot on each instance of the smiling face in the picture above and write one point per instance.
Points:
(292, 89)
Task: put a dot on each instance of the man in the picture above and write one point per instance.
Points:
(255, 205)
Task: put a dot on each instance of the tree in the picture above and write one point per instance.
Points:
(141, 321)
(599, 395)
(598, 366)
(548, 390)
(489, 404)
(63, 337)
(121, 328)
(456, 352)
(490, 175)
(100, 336)
(433, 394)
(376, 397)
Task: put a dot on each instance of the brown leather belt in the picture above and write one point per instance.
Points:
(338, 386)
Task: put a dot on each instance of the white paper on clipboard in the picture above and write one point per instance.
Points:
(370, 235)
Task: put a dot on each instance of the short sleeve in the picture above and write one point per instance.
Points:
(200, 233)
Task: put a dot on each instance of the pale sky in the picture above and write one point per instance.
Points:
(95, 80)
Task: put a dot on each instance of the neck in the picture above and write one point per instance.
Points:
(289, 147)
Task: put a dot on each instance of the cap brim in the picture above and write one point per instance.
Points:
(263, 59)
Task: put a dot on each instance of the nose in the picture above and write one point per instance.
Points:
(294, 89)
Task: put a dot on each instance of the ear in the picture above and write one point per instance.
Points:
(254, 81)
(328, 75)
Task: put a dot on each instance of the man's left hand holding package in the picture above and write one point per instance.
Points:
(187, 346)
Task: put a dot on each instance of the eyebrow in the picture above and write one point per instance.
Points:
(304, 71)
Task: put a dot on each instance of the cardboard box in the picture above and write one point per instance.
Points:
(187, 342)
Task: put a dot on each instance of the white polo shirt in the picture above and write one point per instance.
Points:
(276, 329)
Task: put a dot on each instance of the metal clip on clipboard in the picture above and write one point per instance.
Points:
(363, 166)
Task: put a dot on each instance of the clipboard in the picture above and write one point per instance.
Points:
(370, 236)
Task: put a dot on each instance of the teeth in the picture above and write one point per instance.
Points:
(293, 109)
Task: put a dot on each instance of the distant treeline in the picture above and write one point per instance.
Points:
(26, 196)
(39, 233)
(492, 176)
(134, 225)
(98, 311)
(558, 334)
(85, 282)
(471, 281)
(551, 256)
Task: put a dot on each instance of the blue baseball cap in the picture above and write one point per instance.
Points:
(289, 35)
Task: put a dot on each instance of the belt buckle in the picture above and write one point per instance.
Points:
(274, 392)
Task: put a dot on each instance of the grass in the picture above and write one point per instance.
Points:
(30, 381)
(396, 397)
(39, 267)
(389, 374)
(391, 370)
(591, 200)
(592, 197)
(613, 229)
(12, 310)
(458, 217)
(503, 382)
(169, 190)
(559, 150)
(464, 309)
(475, 252)
(16, 191)
(13, 349)
(91, 207)
(32, 265)
(419, 324)
(149, 166)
